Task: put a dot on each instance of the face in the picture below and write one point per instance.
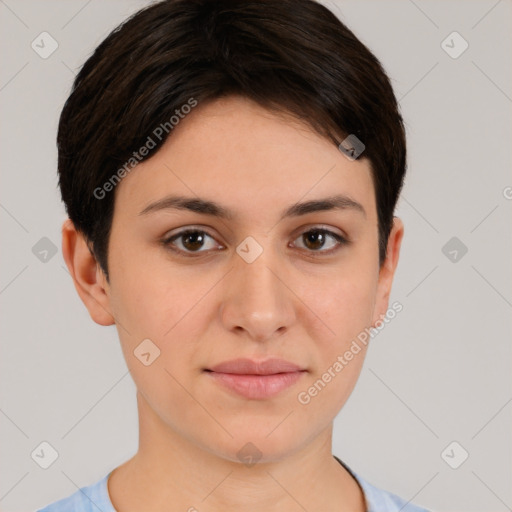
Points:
(257, 282)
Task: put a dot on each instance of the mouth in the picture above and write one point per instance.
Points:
(256, 380)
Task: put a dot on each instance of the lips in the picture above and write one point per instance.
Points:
(250, 367)
(256, 380)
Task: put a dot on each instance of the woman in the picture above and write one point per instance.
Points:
(230, 171)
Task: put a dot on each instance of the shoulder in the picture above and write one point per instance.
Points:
(91, 498)
(378, 499)
(95, 497)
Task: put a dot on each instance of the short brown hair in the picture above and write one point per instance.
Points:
(294, 56)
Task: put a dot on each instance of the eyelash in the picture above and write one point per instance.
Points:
(168, 242)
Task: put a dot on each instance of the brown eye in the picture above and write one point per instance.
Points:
(316, 239)
(192, 241)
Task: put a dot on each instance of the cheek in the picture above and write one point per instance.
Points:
(149, 296)
(346, 307)
(155, 301)
(342, 303)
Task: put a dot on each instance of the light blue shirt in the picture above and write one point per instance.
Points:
(95, 498)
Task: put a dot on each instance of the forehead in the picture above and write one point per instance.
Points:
(251, 157)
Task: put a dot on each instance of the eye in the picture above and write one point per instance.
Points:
(315, 239)
(191, 241)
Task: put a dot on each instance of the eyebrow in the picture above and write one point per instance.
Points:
(206, 207)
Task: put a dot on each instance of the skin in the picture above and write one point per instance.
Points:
(293, 302)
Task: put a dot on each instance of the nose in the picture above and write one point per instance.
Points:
(257, 300)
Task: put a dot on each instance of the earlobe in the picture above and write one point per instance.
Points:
(387, 270)
(88, 278)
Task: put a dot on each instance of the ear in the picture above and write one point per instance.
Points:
(387, 270)
(90, 281)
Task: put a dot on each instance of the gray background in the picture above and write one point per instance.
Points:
(439, 372)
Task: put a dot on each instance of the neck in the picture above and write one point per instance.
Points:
(169, 469)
